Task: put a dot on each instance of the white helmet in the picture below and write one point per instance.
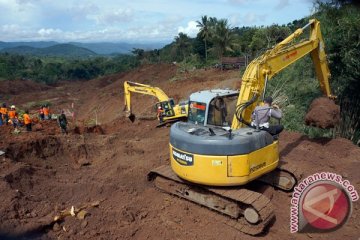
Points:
(12, 107)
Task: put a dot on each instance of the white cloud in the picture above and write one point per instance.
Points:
(238, 1)
(282, 4)
(191, 29)
(251, 18)
(88, 10)
(115, 16)
(235, 20)
(7, 28)
(49, 32)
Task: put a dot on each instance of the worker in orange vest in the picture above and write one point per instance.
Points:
(160, 113)
(4, 118)
(46, 110)
(13, 116)
(27, 121)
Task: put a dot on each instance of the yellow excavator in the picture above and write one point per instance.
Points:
(216, 155)
(169, 111)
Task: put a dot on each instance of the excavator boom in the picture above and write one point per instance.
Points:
(265, 67)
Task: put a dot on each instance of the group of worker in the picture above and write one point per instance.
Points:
(12, 117)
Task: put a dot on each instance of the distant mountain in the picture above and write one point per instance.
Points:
(103, 48)
(107, 48)
(60, 50)
(40, 44)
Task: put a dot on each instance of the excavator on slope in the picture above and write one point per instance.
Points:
(216, 155)
(171, 112)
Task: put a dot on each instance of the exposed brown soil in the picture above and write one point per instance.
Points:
(20, 86)
(323, 113)
(44, 172)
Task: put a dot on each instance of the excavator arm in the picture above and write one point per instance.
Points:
(143, 89)
(265, 67)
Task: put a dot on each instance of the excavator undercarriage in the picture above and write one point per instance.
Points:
(247, 209)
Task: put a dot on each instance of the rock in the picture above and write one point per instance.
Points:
(37, 127)
(33, 214)
(128, 216)
(56, 227)
(143, 215)
(84, 224)
(82, 214)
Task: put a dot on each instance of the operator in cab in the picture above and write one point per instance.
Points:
(262, 114)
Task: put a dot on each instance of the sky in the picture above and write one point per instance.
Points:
(139, 21)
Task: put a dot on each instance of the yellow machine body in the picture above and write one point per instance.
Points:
(225, 170)
(170, 110)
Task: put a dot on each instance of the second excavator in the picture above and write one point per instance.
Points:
(216, 154)
(170, 112)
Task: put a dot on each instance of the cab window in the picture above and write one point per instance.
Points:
(197, 112)
(171, 101)
(221, 111)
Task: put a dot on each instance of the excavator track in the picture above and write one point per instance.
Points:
(248, 211)
(284, 177)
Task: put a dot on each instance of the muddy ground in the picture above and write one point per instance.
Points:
(44, 172)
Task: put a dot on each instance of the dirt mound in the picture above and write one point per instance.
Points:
(323, 113)
(88, 129)
(21, 86)
(51, 127)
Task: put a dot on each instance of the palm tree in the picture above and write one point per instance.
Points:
(223, 38)
(204, 26)
(182, 44)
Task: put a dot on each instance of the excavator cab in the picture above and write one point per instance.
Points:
(212, 107)
(167, 106)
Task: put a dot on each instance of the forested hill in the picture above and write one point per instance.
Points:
(103, 48)
(59, 50)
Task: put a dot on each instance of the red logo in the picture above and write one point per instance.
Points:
(326, 206)
(290, 55)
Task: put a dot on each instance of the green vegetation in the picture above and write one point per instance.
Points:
(59, 50)
(294, 88)
(53, 69)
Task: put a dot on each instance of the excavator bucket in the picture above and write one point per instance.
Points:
(132, 117)
(323, 113)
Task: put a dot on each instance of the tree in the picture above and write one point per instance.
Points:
(340, 25)
(223, 38)
(266, 38)
(138, 52)
(183, 44)
(204, 26)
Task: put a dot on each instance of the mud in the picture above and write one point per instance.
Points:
(323, 113)
(45, 172)
(88, 129)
